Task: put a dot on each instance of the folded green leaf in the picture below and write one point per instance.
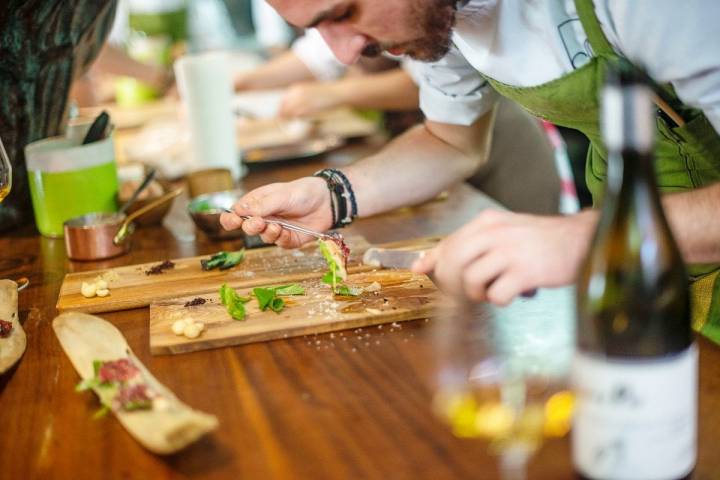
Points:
(277, 304)
(348, 291)
(233, 302)
(223, 260)
(292, 289)
(232, 259)
(101, 412)
(264, 297)
(87, 384)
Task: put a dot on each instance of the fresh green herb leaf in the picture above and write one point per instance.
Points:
(264, 297)
(101, 412)
(202, 206)
(233, 302)
(232, 259)
(329, 278)
(137, 405)
(223, 260)
(348, 291)
(292, 289)
(87, 384)
(97, 365)
(277, 304)
(213, 262)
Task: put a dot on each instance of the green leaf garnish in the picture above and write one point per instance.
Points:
(277, 304)
(101, 412)
(292, 289)
(87, 384)
(348, 291)
(222, 260)
(234, 303)
(264, 297)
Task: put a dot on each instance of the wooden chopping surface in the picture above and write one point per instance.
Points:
(133, 288)
(403, 296)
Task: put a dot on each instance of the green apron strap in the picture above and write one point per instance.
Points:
(599, 43)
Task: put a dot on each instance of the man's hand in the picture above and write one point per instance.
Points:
(304, 99)
(305, 201)
(500, 255)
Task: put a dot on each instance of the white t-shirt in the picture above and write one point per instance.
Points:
(529, 42)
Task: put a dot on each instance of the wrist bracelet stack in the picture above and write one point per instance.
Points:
(342, 197)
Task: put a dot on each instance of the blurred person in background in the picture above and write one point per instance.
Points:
(135, 66)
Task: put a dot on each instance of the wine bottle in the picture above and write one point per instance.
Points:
(635, 369)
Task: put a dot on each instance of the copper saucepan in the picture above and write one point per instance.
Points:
(97, 236)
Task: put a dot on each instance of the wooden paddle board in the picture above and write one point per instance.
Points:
(130, 287)
(403, 295)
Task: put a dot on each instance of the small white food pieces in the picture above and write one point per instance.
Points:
(99, 288)
(88, 290)
(188, 327)
(373, 287)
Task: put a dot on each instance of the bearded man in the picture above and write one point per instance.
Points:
(550, 57)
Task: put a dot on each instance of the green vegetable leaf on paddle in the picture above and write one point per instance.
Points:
(269, 297)
(234, 303)
(336, 269)
(223, 260)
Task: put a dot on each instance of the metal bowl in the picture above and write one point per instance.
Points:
(205, 211)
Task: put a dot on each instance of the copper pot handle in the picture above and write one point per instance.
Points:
(123, 232)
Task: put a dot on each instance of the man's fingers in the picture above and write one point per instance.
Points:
(230, 221)
(271, 233)
(426, 262)
(479, 275)
(269, 200)
(254, 226)
(505, 288)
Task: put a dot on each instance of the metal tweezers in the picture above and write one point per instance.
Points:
(293, 227)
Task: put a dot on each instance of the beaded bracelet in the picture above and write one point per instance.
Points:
(341, 194)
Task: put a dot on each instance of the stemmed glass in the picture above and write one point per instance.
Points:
(502, 374)
(5, 173)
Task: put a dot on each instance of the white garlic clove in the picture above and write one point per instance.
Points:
(179, 327)
(192, 331)
(103, 292)
(88, 290)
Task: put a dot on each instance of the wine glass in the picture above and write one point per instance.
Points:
(5, 173)
(502, 373)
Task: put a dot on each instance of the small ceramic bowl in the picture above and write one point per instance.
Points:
(205, 211)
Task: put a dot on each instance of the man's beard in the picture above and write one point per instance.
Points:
(437, 19)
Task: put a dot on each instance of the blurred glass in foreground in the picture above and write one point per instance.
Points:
(502, 373)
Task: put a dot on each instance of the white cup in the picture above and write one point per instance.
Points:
(205, 85)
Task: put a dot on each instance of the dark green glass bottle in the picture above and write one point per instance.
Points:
(635, 371)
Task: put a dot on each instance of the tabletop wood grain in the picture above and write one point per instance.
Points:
(331, 406)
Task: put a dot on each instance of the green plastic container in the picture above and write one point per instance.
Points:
(68, 180)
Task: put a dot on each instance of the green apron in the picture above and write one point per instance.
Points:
(687, 157)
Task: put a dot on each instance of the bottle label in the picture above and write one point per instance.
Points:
(635, 419)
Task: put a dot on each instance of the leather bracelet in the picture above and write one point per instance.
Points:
(338, 205)
(350, 194)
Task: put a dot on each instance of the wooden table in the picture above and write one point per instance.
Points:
(305, 408)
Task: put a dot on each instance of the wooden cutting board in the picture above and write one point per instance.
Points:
(403, 296)
(132, 288)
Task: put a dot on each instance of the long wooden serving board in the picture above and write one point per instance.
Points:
(403, 296)
(85, 339)
(130, 287)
